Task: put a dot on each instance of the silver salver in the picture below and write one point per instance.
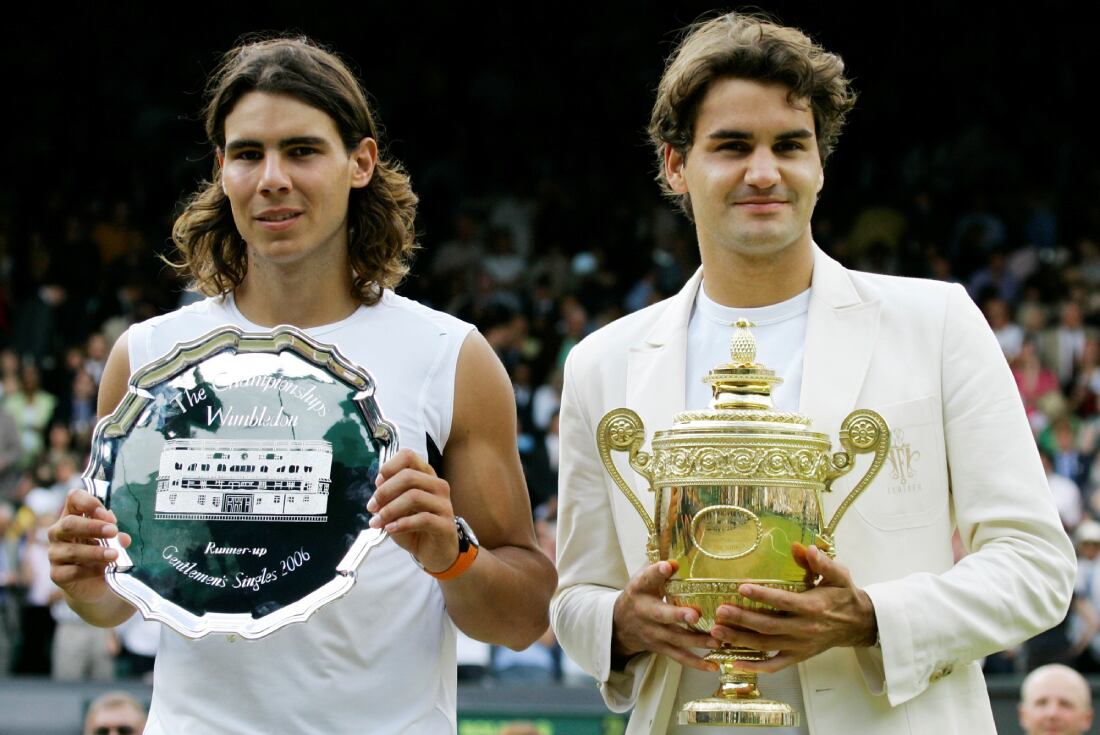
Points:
(241, 463)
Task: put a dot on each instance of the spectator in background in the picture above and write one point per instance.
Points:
(455, 262)
(117, 237)
(574, 327)
(10, 381)
(82, 409)
(97, 349)
(1088, 251)
(525, 392)
(539, 454)
(1009, 334)
(38, 323)
(80, 651)
(503, 264)
(36, 623)
(547, 400)
(1035, 383)
(59, 443)
(1061, 347)
(66, 475)
(1032, 318)
(32, 408)
(11, 450)
(1086, 380)
(114, 713)
(1055, 700)
(1067, 494)
(994, 279)
(1084, 619)
(9, 581)
(1061, 440)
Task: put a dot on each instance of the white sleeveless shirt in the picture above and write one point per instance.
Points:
(382, 658)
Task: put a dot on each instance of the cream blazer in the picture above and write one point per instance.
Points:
(920, 353)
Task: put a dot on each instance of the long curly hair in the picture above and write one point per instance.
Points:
(746, 46)
(381, 230)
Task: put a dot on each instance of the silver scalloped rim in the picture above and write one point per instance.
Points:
(230, 338)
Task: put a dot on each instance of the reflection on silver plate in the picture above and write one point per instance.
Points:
(241, 465)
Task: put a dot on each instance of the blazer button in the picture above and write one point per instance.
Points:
(942, 671)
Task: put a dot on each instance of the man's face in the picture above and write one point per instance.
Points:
(753, 171)
(1055, 704)
(288, 176)
(115, 720)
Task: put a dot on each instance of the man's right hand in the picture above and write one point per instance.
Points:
(78, 560)
(643, 621)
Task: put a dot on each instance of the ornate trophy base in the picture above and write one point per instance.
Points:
(749, 712)
(737, 701)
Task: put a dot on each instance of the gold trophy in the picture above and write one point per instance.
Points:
(736, 485)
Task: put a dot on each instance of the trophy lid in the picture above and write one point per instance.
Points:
(742, 388)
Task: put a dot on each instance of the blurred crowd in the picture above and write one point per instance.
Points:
(510, 264)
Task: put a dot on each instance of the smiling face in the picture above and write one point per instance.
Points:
(753, 171)
(288, 176)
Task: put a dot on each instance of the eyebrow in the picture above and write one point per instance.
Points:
(799, 134)
(284, 143)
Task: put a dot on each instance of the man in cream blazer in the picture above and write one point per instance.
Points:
(912, 623)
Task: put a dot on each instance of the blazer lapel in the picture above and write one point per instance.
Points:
(840, 339)
(655, 390)
(655, 380)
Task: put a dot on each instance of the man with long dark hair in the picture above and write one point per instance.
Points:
(308, 222)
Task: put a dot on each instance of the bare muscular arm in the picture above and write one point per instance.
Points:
(504, 597)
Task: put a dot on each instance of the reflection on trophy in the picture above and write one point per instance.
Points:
(736, 485)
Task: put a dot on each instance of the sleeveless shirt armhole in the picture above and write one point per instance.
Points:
(444, 369)
(138, 347)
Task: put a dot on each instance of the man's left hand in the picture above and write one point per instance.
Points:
(833, 612)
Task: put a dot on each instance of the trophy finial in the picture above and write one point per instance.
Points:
(743, 344)
(741, 383)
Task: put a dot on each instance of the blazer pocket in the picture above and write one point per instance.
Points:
(911, 488)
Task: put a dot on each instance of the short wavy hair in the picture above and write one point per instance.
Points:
(381, 215)
(753, 47)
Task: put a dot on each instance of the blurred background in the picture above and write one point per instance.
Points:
(969, 158)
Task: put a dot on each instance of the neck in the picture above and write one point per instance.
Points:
(739, 280)
(296, 294)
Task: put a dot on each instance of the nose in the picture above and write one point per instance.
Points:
(763, 171)
(274, 175)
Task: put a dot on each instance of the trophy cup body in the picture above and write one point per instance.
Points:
(736, 485)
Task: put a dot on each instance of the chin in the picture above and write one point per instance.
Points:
(761, 247)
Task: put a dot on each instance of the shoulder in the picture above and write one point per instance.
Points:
(906, 292)
(406, 312)
(212, 307)
(153, 337)
(613, 340)
(919, 303)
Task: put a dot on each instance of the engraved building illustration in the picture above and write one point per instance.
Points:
(257, 480)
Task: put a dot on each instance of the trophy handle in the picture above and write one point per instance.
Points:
(621, 430)
(862, 432)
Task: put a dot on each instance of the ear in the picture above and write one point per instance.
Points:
(363, 160)
(674, 169)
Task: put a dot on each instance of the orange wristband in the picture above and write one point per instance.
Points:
(464, 561)
(467, 552)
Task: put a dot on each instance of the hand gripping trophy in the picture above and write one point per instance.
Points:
(736, 485)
